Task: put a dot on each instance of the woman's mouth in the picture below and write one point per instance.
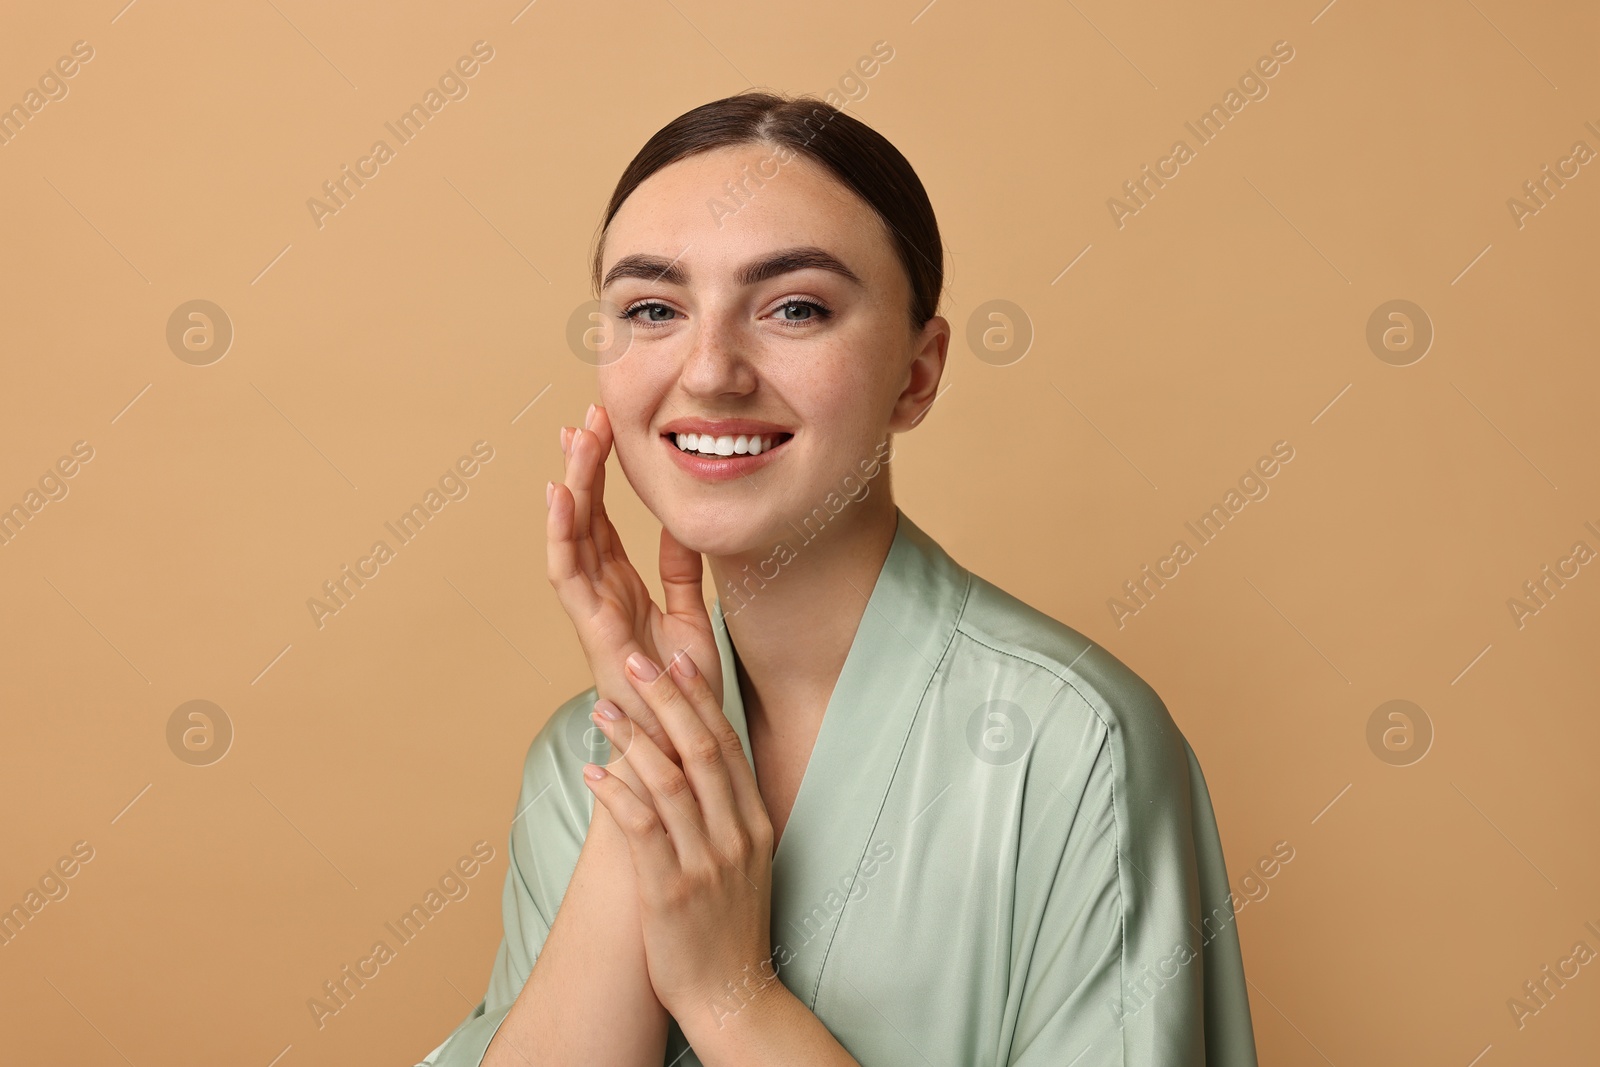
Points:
(717, 457)
(704, 444)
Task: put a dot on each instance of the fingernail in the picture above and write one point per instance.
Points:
(685, 665)
(593, 773)
(642, 668)
(549, 492)
(588, 418)
(562, 438)
(608, 709)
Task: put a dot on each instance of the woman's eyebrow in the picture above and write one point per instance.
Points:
(784, 261)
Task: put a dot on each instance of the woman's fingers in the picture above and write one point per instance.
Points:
(620, 740)
(696, 689)
(583, 555)
(579, 485)
(583, 455)
(704, 754)
(606, 541)
(618, 554)
(670, 791)
(653, 854)
(608, 545)
(682, 572)
(563, 567)
(639, 712)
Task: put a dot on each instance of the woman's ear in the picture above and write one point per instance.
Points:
(922, 376)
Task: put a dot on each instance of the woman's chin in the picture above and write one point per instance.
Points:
(717, 533)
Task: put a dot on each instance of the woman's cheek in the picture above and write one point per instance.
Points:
(636, 471)
(623, 399)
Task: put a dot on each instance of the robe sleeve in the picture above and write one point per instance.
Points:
(1125, 921)
(547, 833)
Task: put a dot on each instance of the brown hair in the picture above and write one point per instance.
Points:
(860, 157)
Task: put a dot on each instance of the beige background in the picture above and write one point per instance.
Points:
(430, 312)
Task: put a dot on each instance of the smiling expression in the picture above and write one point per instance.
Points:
(768, 352)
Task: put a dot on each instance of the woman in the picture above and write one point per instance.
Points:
(870, 808)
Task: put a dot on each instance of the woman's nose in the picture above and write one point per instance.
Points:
(717, 363)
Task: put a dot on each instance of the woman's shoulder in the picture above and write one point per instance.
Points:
(1094, 730)
(1087, 678)
(553, 766)
(1122, 826)
(568, 738)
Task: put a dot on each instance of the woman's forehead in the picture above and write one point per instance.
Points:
(714, 213)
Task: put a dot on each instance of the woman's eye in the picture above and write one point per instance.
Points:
(813, 311)
(795, 312)
(652, 307)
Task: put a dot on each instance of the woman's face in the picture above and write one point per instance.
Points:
(780, 317)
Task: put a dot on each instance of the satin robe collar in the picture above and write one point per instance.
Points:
(909, 622)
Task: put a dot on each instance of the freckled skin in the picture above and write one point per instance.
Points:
(731, 351)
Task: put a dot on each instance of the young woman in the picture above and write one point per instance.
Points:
(870, 808)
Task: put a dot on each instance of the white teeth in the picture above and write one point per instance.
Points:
(706, 445)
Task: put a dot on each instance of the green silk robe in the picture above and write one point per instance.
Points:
(1002, 851)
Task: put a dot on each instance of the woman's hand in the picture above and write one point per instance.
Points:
(608, 602)
(701, 842)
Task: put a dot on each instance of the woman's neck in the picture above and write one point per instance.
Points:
(793, 612)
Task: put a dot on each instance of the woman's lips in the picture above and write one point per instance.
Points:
(717, 468)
